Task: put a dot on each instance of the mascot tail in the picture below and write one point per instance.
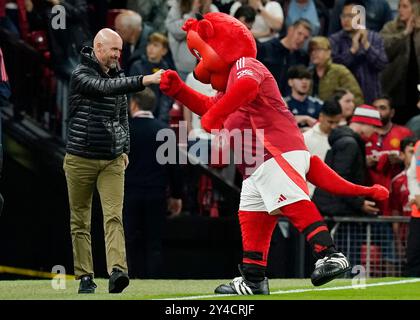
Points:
(322, 176)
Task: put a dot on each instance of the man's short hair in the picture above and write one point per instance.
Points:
(144, 100)
(331, 108)
(247, 12)
(406, 142)
(160, 38)
(303, 22)
(354, 3)
(385, 97)
(299, 72)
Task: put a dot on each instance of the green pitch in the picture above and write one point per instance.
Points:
(282, 289)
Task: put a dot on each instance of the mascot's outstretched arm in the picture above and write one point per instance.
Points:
(240, 93)
(172, 85)
(322, 176)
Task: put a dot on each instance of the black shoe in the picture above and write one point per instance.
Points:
(329, 268)
(241, 286)
(87, 285)
(118, 281)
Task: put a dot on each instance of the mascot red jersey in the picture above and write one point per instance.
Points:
(249, 99)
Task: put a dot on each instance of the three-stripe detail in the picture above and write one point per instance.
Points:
(338, 259)
(240, 63)
(241, 287)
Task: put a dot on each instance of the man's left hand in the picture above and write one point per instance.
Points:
(126, 161)
(174, 207)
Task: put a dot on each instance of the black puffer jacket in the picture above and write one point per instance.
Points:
(347, 158)
(98, 119)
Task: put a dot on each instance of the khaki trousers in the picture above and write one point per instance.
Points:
(82, 176)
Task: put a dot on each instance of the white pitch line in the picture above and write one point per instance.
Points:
(378, 284)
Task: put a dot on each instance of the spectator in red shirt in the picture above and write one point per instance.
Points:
(382, 149)
(398, 199)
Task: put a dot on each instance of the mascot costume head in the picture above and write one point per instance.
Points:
(218, 40)
(222, 44)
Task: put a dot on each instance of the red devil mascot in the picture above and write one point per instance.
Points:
(249, 101)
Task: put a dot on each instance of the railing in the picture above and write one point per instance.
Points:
(378, 244)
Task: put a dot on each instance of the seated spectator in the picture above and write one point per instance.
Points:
(382, 149)
(402, 44)
(180, 11)
(361, 51)
(269, 19)
(346, 100)
(378, 12)
(146, 182)
(156, 49)
(130, 27)
(316, 138)
(246, 14)
(347, 158)
(279, 55)
(153, 12)
(328, 75)
(304, 107)
(398, 199)
(313, 10)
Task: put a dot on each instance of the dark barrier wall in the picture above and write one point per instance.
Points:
(35, 234)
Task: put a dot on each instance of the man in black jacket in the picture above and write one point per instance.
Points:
(97, 147)
(347, 157)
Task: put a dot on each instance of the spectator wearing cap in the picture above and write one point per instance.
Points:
(382, 149)
(347, 158)
(304, 107)
(279, 55)
(362, 51)
(327, 76)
